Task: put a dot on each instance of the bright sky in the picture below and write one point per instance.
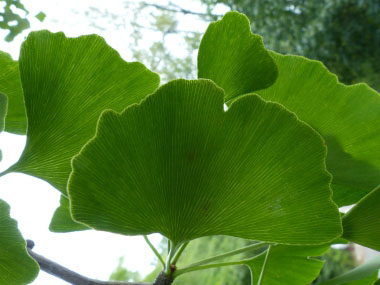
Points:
(33, 201)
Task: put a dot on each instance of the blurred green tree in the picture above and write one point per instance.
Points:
(344, 35)
(13, 17)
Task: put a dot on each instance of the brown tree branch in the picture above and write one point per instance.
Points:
(68, 275)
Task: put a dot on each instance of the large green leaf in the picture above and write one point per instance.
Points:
(365, 271)
(62, 221)
(10, 84)
(234, 58)
(362, 223)
(16, 266)
(67, 83)
(346, 116)
(179, 165)
(284, 264)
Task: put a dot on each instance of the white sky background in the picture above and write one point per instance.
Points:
(33, 201)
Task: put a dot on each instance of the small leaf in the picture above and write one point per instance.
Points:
(367, 270)
(41, 16)
(362, 223)
(67, 83)
(346, 116)
(234, 58)
(286, 264)
(16, 266)
(10, 84)
(179, 165)
(62, 221)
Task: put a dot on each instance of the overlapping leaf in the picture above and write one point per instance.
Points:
(67, 83)
(10, 84)
(362, 223)
(234, 58)
(347, 117)
(179, 165)
(62, 221)
(365, 274)
(283, 264)
(16, 266)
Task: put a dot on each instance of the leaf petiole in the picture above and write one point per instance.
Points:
(155, 251)
(228, 254)
(179, 252)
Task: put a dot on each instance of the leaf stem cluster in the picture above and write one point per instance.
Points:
(174, 253)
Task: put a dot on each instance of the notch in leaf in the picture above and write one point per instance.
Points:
(179, 165)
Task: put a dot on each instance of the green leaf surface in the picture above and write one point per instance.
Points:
(362, 223)
(3, 110)
(62, 221)
(284, 264)
(234, 58)
(179, 165)
(3, 113)
(67, 83)
(364, 271)
(346, 116)
(370, 280)
(10, 84)
(16, 266)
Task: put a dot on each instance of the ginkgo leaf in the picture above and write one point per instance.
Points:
(284, 264)
(362, 223)
(234, 58)
(346, 116)
(179, 165)
(16, 266)
(67, 83)
(367, 272)
(10, 84)
(62, 221)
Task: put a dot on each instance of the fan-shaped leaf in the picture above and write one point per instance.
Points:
(283, 264)
(16, 266)
(362, 223)
(234, 58)
(179, 165)
(347, 117)
(67, 83)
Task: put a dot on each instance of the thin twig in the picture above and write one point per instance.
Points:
(177, 9)
(68, 275)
